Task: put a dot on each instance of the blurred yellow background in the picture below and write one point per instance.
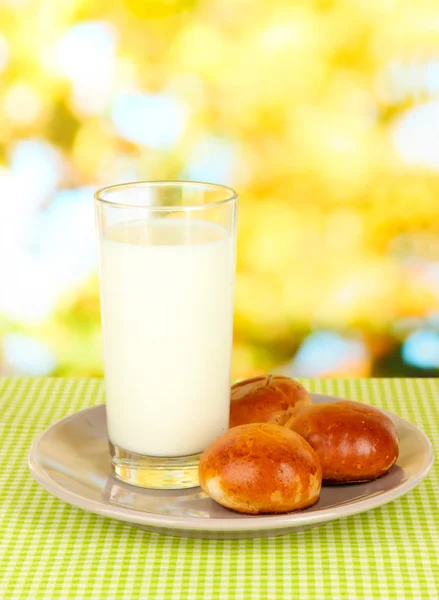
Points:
(323, 114)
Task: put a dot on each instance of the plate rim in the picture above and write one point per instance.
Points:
(254, 523)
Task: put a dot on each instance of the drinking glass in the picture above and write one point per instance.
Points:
(167, 264)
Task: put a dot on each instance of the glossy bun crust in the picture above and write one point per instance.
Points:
(267, 399)
(261, 468)
(354, 442)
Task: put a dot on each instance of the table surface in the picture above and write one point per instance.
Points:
(49, 549)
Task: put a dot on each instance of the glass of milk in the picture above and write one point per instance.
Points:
(167, 266)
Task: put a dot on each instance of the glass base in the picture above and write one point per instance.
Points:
(154, 472)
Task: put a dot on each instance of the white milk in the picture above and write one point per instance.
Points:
(167, 312)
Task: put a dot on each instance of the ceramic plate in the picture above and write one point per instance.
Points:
(70, 460)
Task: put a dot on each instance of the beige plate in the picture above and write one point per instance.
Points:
(70, 460)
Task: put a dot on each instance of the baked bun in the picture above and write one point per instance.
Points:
(354, 442)
(267, 399)
(261, 468)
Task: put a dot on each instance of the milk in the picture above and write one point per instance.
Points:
(167, 312)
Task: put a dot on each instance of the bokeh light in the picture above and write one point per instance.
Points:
(325, 117)
(154, 120)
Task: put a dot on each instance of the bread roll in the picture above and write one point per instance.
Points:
(267, 399)
(354, 442)
(261, 468)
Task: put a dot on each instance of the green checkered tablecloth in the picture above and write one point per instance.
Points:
(49, 549)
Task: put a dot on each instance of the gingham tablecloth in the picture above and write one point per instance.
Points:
(49, 549)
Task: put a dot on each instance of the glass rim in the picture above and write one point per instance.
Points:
(232, 195)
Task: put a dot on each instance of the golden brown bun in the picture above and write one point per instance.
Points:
(267, 399)
(261, 468)
(354, 442)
